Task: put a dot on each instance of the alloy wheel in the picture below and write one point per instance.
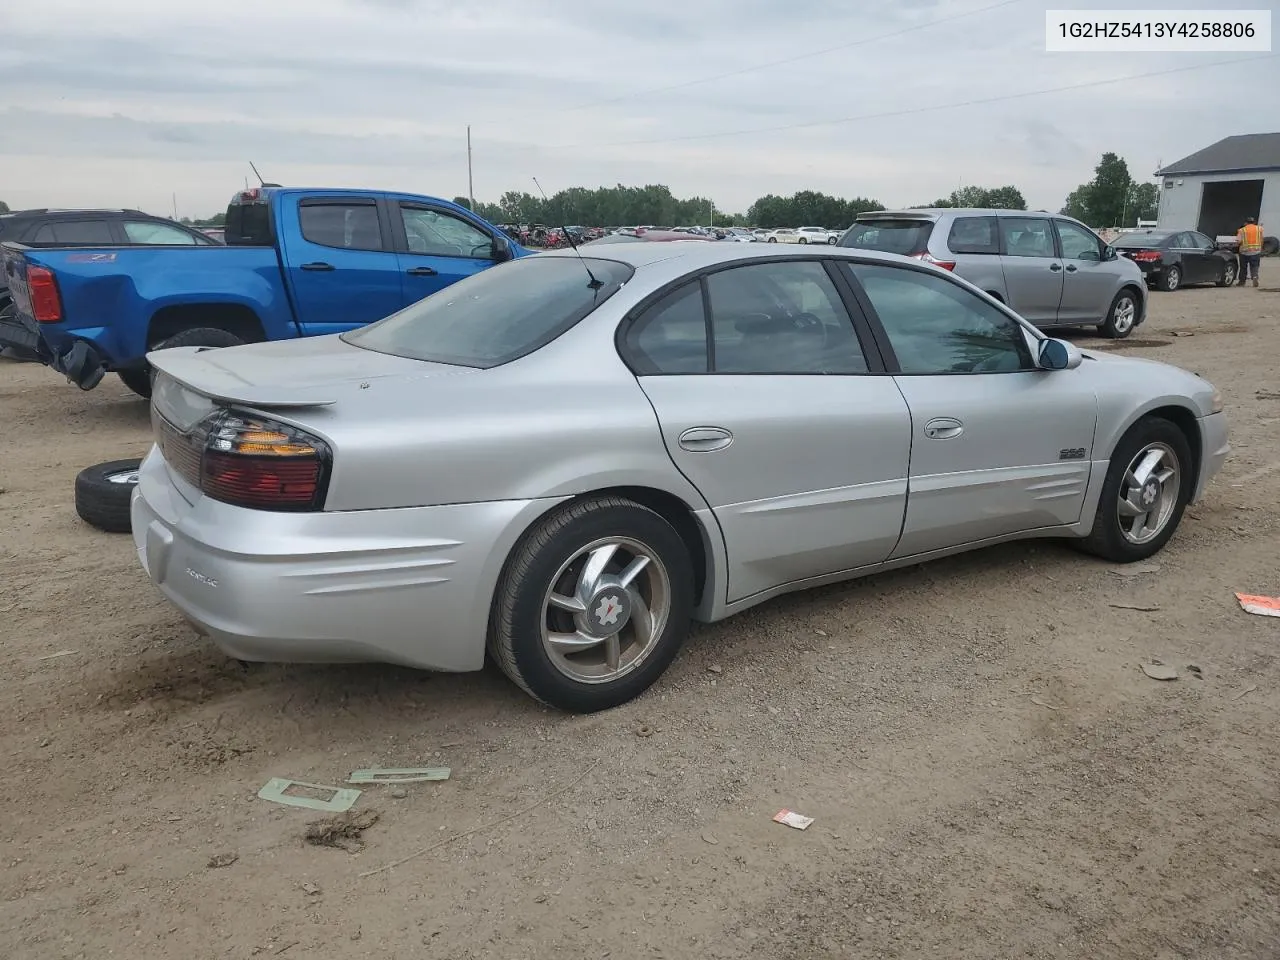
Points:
(1149, 493)
(605, 610)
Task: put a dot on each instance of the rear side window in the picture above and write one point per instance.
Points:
(974, 235)
(498, 315)
(907, 237)
(79, 232)
(670, 336)
(348, 226)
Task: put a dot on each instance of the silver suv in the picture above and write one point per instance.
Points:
(1053, 270)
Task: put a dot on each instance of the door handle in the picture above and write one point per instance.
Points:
(1072, 268)
(943, 428)
(317, 266)
(1055, 267)
(705, 439)
(422, 272)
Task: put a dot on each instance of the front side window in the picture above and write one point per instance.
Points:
(440, 234)
(1026, 237)
(497, 315)
(1078, 243)
(345, 225)
(149, 232)
(781, 318)
(936, 326)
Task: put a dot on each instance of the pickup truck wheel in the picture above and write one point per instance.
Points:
(103, 492)
(139, 381)
(200, 337)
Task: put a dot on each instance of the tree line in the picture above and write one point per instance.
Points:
(1112, 198)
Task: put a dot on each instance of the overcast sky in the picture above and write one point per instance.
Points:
(129, 102)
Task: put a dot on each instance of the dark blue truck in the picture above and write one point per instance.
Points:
(297, 263)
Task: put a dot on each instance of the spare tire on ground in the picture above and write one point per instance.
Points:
(103, 492)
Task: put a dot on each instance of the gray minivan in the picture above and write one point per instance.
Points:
(1052, 270)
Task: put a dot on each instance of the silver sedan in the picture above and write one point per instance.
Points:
(565, 459)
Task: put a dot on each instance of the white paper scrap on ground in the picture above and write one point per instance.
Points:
(793, 819)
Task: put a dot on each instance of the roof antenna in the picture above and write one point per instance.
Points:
(594, 284)
(259, 176)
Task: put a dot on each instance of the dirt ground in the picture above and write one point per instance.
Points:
(991, 773)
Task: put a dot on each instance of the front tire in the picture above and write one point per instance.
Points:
(1148, 485)
(831, 241)
(1228, 274)
(1170, 279)
(1122, 316)
(593, 605)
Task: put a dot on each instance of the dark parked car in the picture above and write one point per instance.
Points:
(1170, 259)
(45, 228)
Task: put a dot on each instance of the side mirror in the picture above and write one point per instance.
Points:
(500, 252)
(1109, 253)
(1058, 355)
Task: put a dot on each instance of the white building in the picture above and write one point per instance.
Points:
(1216, 188)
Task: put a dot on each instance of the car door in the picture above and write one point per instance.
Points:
(998, 447)
(1033, 272)
(1198, 250)
(340, 264)
(436, 247)
(1089, 283)
(768, 404)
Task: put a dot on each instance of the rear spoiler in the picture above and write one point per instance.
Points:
(199, 373)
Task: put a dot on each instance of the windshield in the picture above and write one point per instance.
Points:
(1141, 239)
(889, 236)
(497, 315)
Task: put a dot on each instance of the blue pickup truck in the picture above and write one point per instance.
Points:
(297, 263)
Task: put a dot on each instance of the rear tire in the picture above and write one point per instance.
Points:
(552, 559)
(141, 381)
(1228, 274)
(103, 493)
(1108, 539)
(1170, 279)
(1122, 317)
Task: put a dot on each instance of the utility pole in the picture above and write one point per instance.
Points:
(713, 213)
(175, 206)
(471, 190)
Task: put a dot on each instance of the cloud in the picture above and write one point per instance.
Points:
(129, 102)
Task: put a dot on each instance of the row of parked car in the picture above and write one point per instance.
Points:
(557, 462)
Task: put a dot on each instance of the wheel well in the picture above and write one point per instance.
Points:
(231, 317)
(1184, 420)
(677, 513)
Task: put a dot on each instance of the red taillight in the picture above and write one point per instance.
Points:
(249, 461)
(262, 482)
(46, 305)
(1146, 256)
(930, 258)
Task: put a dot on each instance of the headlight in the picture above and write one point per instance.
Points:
(1215, 404)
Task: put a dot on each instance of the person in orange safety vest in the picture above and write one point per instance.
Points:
(1249, 238)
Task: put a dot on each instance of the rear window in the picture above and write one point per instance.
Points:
(498, 315)
(1141, 240)
(906, 237)
(249, 225)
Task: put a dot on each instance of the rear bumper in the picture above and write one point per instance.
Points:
(1216, 448)
(411, 586)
